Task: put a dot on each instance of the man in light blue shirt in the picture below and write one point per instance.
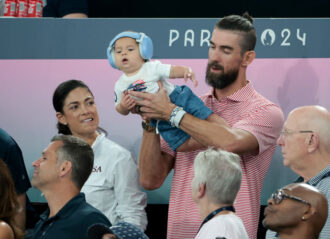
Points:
(305, 142)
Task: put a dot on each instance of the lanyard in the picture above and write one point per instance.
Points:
(301, 179)
(215, 212)
(323, 177)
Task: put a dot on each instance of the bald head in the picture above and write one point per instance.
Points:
(302, 212)
(315, 118)
(311, 195)
(318, 214)
(311, 116)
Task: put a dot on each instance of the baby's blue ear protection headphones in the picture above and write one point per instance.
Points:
(145, 46)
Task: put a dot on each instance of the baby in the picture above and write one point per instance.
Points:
(131, 52)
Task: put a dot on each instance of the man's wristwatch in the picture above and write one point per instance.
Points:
(147, 127)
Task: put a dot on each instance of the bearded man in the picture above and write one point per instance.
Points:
(247, 124)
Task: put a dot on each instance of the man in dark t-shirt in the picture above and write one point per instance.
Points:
(59, 174)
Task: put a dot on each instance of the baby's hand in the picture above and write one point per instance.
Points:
(127, 102)
(189, 74)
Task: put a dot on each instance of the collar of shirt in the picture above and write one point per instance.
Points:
(98, 139)
(315, 180)
(241, 95)
(65, 211)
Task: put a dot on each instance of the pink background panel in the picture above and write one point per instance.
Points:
(27, 113)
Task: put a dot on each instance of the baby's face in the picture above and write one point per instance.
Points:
(127, 55)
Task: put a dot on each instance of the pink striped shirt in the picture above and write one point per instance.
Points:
(245, 109)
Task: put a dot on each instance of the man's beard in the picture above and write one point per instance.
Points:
(222, 80)
(265, 225)
(275, 228)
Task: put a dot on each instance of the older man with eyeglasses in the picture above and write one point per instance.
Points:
(298, 210)
(305, 142)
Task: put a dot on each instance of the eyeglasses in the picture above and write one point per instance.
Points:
(279, 195)
(286, 132)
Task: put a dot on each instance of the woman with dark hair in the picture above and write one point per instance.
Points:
(8, 205)
(113, 186)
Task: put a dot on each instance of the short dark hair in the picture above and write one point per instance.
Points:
(242, 25)
(59, 97)
(79, 153)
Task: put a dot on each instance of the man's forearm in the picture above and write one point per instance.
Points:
(211, 132)
(154, 166)
(217, 133)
